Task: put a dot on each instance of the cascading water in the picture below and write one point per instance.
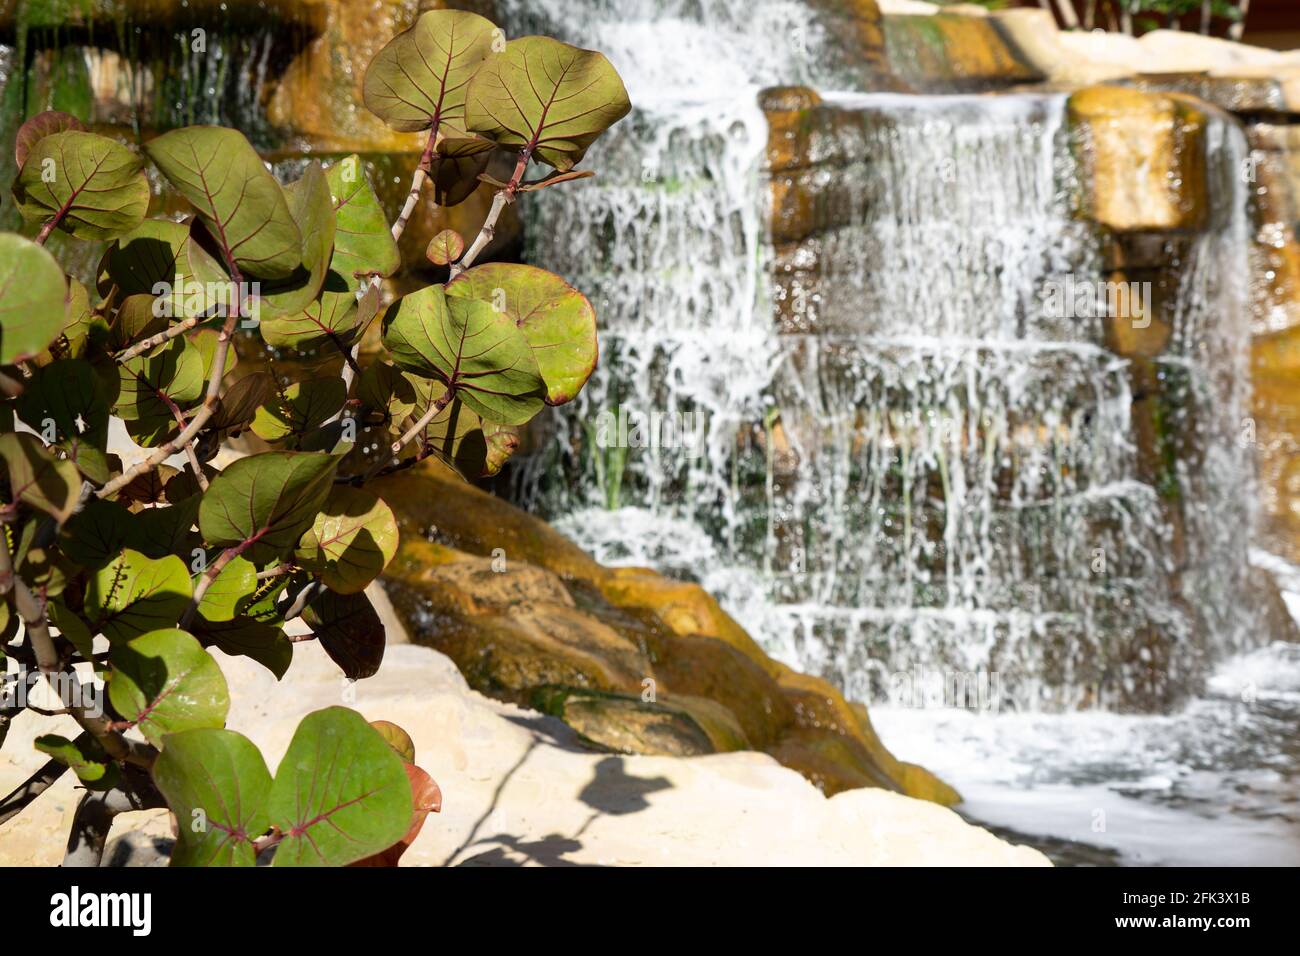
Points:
(926, 464)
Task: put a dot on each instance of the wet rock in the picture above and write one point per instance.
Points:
(946, 52)
(633, 661)
(1144, 156)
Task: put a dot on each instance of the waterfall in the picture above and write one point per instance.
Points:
(882, 446)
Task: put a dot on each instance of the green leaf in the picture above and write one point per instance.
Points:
(67, 395)
(340, 794)
(302, 407)
(81, 324)
(350, 542)
(384, 389)
(84, 756)
(238, 199)
(313, 211)
(475, 448)
(150, 254)
(363, 240)
(162, 530)
(72, 627)
(136, 320)
(350, 630)
(172, 371)
(269, 499)
(33, 294)
(236, 408)
(134, 595)
(335, 316)
(245, 637)
(545, 94)
(40, 126)
(556, 319)
(419, 77)
(95, 534)
(37, 478)
(95, 187)
(474, 350)
(457, 164)
(236, 582)
(165, 682)
(217, 784)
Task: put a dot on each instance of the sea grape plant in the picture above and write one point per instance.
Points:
(240, 517)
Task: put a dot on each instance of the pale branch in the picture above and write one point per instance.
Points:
(210, 401)
(211, 573)
(488, 231)
(417, 182)
(96, 811)
(153, 341)
(32, 610)
(411, 433)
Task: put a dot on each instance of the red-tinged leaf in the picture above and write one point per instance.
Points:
(428, 799)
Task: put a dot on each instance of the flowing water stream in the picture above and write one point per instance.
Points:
(924, 475)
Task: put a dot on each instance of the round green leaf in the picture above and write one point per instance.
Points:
(341, 792)
(134, 594)
(236, 582)
(351, 541)
(268, 499)
(547, 95)
(312, 210)
(363, 241)
(65, 401)
(150, 254)
(95, 534)
(37, 478)
(217, 784)
(301, 408)
(240, 202)
(471, 348)
(84, 756)
(96, 188)
(40, 126)
(33, 294)
(236, 408)
(556, 319)
(419, 77)
(165, 682)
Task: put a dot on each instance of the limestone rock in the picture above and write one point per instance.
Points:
(520, 788)
(633, 661)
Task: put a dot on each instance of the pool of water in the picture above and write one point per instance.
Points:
(1217, 784)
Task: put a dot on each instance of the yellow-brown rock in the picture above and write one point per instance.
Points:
(1144, 158)
(952, 52)
(635, 662)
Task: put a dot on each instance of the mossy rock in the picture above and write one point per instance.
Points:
(633, 661)
(624, 723)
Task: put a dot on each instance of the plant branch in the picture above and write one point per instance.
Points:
(411, 433)
(96, 811)
(499, 202)
(153, 341)
(210, 400)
